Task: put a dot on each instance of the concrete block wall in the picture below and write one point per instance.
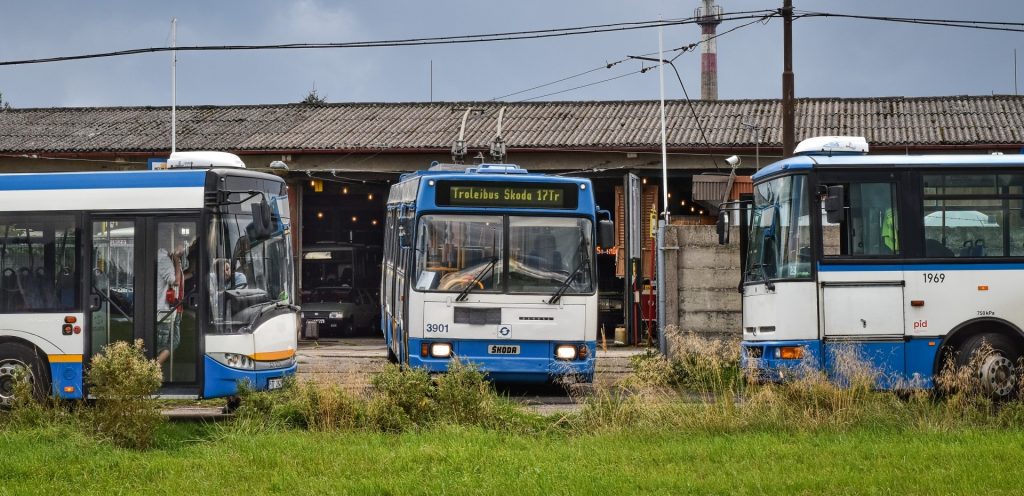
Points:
(701, 280)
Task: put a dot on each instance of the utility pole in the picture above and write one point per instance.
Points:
(788, 103)
(174, 82)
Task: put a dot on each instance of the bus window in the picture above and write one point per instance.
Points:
(870, 224)
(780, 241)
(37, 263)
(454, 251)
(957, 225)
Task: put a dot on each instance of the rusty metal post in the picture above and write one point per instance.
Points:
(788, 103)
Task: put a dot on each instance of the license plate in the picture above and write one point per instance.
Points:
(275, 383)
(503, 349)
(318, 321)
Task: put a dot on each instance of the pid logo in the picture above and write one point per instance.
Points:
(504, 331)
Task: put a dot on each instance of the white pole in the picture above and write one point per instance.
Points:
(174, 80)
(664, 145)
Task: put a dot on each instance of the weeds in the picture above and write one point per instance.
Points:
(122, 379)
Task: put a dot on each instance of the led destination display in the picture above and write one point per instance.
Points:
(511, 195)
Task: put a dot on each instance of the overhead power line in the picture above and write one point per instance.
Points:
(1015, 27)
(438, 40)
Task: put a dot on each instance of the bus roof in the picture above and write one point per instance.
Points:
(888, 161)
(111, 190)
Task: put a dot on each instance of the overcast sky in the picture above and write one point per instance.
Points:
(841, 58)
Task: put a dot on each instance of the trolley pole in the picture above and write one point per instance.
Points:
(788, 103)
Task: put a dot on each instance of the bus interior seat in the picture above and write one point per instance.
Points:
(973, 248)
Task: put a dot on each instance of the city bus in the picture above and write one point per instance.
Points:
(194, 260)
(906, 261)
(494, 266)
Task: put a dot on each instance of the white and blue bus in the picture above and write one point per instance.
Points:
(194, 260)
(907, 260)
(495, 266)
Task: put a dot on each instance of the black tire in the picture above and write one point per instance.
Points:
(998, 371)
(14, 357)
(392, 358)
(232, 404)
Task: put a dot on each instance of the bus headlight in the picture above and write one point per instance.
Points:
(440, 350)
(565, 352)
(234, 360)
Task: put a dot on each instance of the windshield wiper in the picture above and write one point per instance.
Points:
(476, 280)
(267, 307)
(557, 295)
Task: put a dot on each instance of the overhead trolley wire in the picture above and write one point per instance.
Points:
(763, 16)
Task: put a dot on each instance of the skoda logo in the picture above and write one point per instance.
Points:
(504, 330)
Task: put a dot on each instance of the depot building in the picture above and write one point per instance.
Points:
(340, 160)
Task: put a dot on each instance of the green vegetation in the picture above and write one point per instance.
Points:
(196, 459)
(690, 424)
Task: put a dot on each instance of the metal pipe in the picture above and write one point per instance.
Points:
(662, 340)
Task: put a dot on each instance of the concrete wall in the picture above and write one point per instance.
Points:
(701, 280)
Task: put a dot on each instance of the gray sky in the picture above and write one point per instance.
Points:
(842, 58)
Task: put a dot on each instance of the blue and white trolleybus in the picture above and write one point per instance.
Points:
(194, 260)
(493, 265)
(907, 260)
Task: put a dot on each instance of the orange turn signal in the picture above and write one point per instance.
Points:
(791, 352)
(983, 288)
(70, 319)
(69, 389)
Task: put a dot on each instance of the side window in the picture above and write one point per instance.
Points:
(38, 270)
(971, 216)
(870, 225)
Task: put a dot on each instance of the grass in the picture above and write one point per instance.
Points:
(201, 459)
(689, 424)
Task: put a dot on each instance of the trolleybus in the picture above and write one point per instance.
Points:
(906, 260)
(495, 266)
(194, 260)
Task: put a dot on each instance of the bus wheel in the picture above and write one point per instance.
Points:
(996, 365)
(233, 402)
(15, 360)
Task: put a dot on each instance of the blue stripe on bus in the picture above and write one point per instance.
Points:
(922, 266)
(102, 180)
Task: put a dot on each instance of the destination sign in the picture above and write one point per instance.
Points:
(512, 195)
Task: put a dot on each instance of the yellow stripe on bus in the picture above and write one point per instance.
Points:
(267, 356)
(65, 358)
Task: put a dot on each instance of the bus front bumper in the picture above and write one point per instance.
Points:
(535, 361)
(220, 380)
(765, 360)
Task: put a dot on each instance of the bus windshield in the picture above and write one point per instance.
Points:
(248, 275)
(780, 241)
(542, 254)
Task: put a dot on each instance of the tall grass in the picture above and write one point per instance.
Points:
(701, 388)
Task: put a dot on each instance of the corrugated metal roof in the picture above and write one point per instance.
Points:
(893, 121)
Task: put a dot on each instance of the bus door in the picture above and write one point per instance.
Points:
(861, 279)
(144, 284)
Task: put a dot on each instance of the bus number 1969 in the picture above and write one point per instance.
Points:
(934, 277)
(437, 327)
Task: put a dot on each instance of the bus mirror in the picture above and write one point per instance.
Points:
(722, 226)
(834, 204)
(606, 233)
(404, 232)
(262, 226)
